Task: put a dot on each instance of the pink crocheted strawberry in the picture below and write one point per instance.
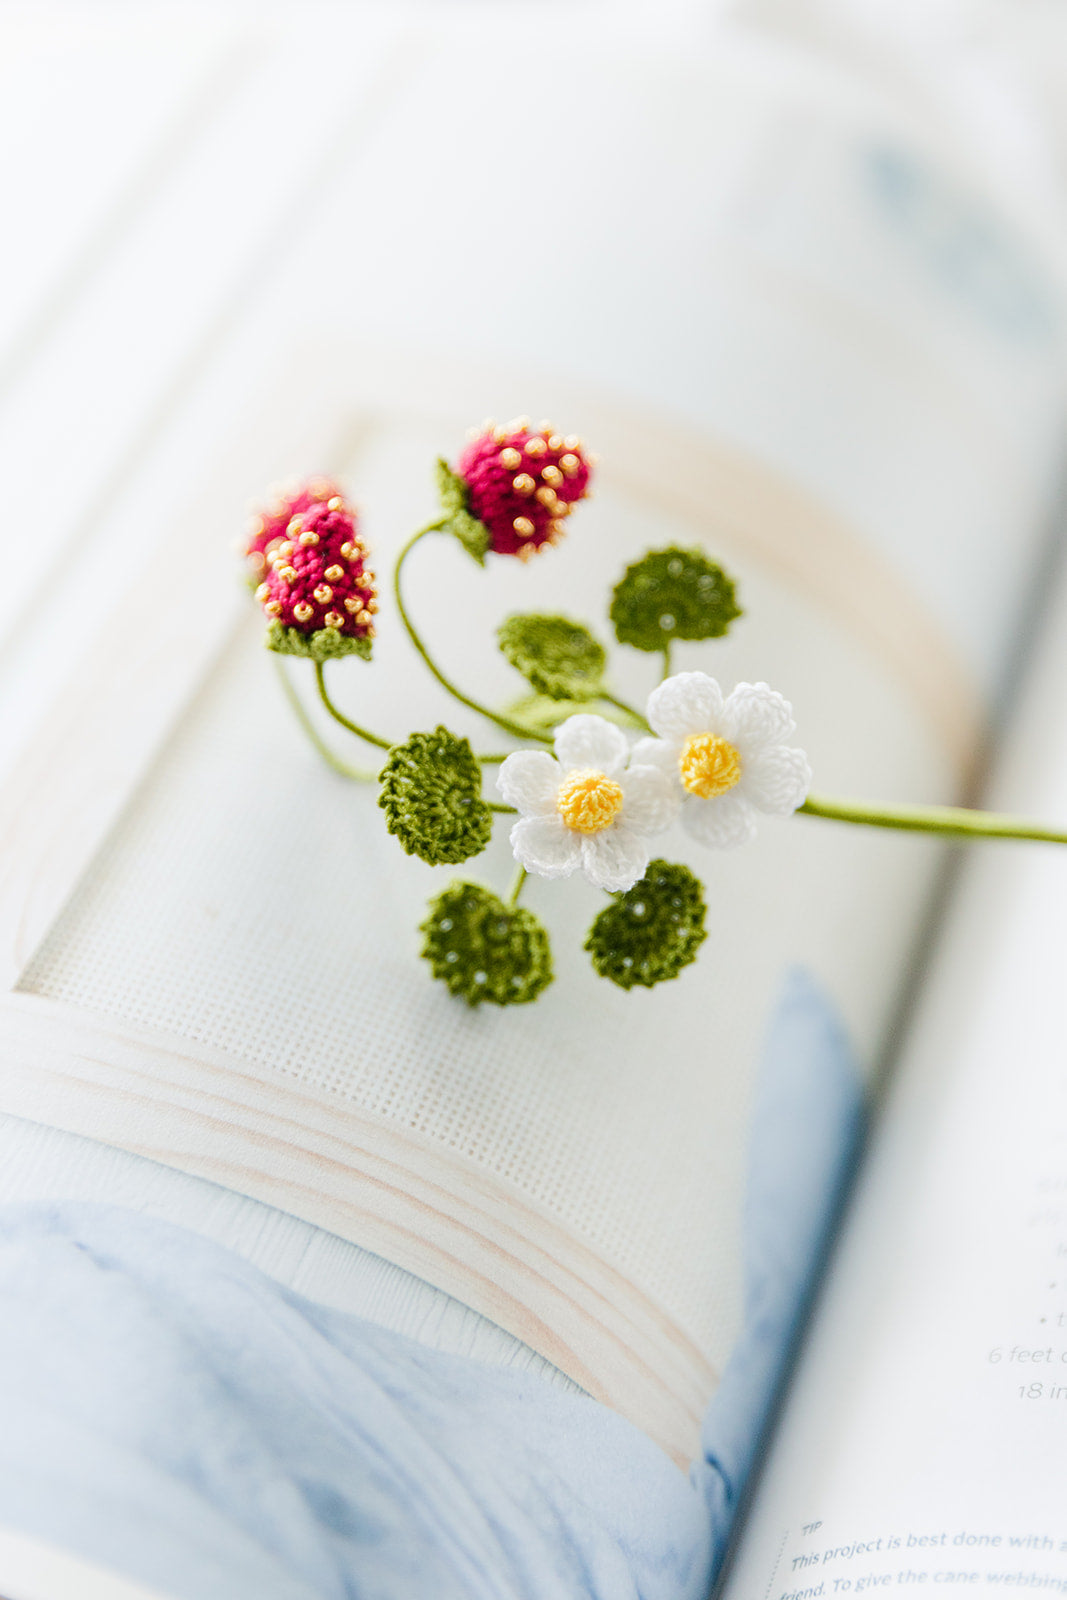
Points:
(521, 484)
(269, 526)
(318, 590)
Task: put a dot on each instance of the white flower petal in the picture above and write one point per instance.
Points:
(530, 780)
(593, 742)
(545, 845)
(614, 858)
(690, 702)
(723, 822)
(755, 717)
(776, 780)
(650, 800)
(657, 753)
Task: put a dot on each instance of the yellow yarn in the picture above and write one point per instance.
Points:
(708, 765)
(589, 801)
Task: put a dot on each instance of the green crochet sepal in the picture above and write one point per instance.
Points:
(326, 644)
(557, 657)
(652, 931)
(484, 950)
(472, 534)
(672, 594)
(432, 798)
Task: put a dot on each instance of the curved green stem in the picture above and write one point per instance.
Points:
(517, 729)
(297, 706)
(631, 711)
(338, 716)
(952, 822)
(503, 810)
(667, 660)
(516, 887)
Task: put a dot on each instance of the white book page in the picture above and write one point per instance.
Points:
(924, 1445)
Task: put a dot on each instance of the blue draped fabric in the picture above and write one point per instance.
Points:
(168, 1411)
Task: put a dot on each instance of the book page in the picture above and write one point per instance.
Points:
(209, 940)
(922, 1446)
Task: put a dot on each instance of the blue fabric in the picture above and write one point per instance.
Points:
(168, 1411)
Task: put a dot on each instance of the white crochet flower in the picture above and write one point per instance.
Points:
(726, 756)
(586, 808)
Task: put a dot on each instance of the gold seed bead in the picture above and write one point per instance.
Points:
(572, 442)
(323, 593)
(519, 425)
(286, 574)
(334, 573)
(544, 426)
(273, 606)
(303, 612)
(570, 464)
(294, 527)
(524, 526)
(367, 575)
(363, 618)
(283, 551)
(510, 458)
(552, 475)
(524, 552)
(555, 442)
(555, 529)
(258, 560)
(309, 536)
(334, 503)
(372, 606)
(353, 603)
(523, 484)
(535, 447)
(348, 550)
(333, 619)
(547, 497)
(263, 592)
(563, 508)
(500, 434)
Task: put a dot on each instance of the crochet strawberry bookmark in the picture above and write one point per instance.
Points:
(595, 780)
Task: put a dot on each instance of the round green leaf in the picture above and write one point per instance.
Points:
(559, 658)
(485, 950)
(672, 594)
(458, 521)
(652, 931)
(432, 798)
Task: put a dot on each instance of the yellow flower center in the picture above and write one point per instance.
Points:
(589, 801)
(708, 765)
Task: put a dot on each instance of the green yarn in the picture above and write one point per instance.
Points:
(652, 931)
(557, 657)
(432, 798)
(326, 644)
(672, 594)
(472, 534)
(485, 950)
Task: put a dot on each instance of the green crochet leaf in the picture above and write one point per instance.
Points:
(557, 657)
(652, 931)
(672, 594)
(485, 950)
(326, 644)
(432, 798)
(472, 534)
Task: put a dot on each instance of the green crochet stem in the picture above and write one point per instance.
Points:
(951, 822)
(666, 660)
(339, 716)
(517, 729)
(623, 705)
(297, 707)
(516, 887)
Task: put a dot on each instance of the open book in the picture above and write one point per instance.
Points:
(213, 1006)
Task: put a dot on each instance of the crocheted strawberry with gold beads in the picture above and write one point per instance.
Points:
(318, 590)
(269, 526)
(522, 483)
